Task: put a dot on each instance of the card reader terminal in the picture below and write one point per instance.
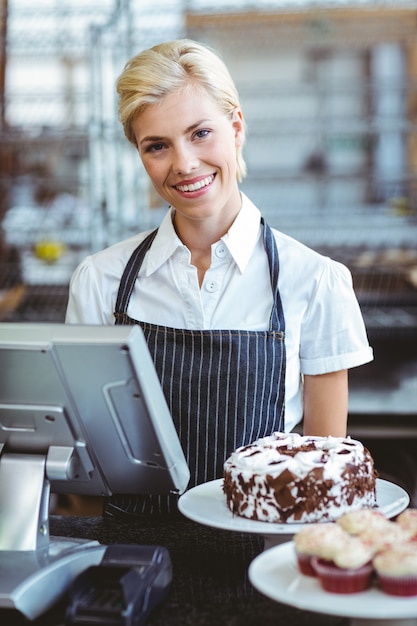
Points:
(123, 589)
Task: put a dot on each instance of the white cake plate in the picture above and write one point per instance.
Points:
(275, 574)
(206, 504)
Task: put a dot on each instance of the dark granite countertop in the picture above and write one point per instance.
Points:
(210, 583)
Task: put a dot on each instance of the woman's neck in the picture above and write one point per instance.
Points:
(198, 237)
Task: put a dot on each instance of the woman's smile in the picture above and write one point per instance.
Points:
(195, 185)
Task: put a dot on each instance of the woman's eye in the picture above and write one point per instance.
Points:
(202, 133)
(155, 147)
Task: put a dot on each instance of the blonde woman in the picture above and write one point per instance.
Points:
(251, 332)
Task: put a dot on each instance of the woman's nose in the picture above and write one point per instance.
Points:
(184, 159)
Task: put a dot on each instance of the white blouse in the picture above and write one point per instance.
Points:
(325, 331)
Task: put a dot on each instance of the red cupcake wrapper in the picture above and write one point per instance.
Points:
(339, 580)
(305, 566)
(398, 586)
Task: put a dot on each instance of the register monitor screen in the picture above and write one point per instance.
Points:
(89, 399)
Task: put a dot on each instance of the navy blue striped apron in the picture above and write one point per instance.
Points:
(224, 388)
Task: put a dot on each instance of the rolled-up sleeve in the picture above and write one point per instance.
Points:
(89, 300)
(333, 333)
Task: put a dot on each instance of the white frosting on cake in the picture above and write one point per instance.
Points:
(293, 478)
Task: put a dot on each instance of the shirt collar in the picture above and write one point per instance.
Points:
(240, 239)
(164, 245)
(243, 234)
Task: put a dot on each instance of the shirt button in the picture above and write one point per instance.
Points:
(221, 251)
(210, 286)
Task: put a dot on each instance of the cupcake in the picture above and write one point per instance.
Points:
(385, 536)
(316, 539)
(408, 520)
(396, 570)
(349, 571)
(355, 522)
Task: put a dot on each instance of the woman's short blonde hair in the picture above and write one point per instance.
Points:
(169, 67)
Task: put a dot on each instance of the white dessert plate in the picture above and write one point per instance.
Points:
(206, 504)
(275, 574)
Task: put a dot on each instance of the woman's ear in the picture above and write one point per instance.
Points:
(239, 127)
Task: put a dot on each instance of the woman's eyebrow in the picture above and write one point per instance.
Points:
(151, 138)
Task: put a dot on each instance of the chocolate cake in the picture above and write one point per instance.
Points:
(289, 478)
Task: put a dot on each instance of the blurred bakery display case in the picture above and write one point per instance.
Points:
(44, 209)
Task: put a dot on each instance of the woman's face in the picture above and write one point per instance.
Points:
(188, 147)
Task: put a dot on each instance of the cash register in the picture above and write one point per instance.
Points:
(81, 412)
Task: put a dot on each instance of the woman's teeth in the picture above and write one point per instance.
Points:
(196, 186)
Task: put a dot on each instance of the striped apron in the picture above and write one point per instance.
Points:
(224, 388)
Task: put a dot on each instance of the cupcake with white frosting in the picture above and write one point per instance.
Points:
(317, 540)
(385, 536)
(349, 570)
(356, 522)
(408, 520)
(396, 570)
